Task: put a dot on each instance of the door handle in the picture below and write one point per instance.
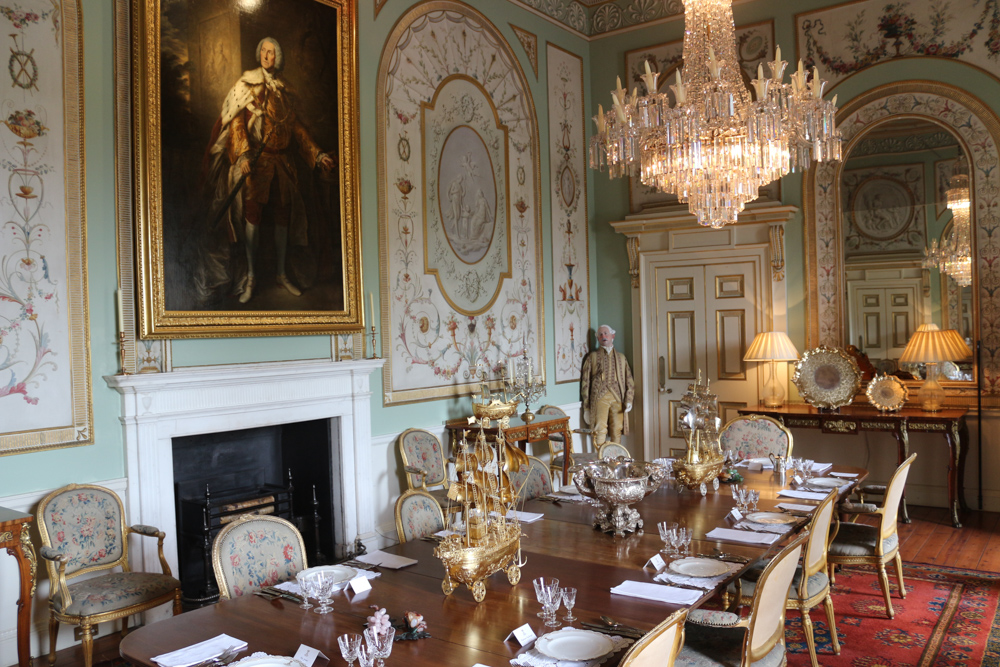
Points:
(661, 368)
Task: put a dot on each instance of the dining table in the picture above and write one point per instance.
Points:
(563, 544)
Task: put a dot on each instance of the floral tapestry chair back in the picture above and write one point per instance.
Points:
(531, 479)
(87, 525)
(418, 514)
(756, 436)
(254, 552)
(423, 459)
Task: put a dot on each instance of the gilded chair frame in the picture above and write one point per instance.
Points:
(646, 652)
(608, 449)
(412, 469)
(399, 503)
(554, 448)
(754, 418)
(886, 518)
(56, 566)
(220, 576)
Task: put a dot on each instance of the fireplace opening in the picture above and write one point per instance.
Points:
(283, 470)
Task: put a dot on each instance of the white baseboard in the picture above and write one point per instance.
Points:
(9, 586)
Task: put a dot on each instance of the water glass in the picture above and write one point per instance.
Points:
(683, 543)
(551, 599)
(349, 645)
(303, 580)
(569, 600)
(366, 656)
(665, 528)
(323, 583)
(541, 583)
(807, 468)
(380, 643)
(753, 496)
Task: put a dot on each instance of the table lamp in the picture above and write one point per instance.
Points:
(931, 345)
(772, 346)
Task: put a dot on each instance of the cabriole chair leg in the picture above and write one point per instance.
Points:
(53, 633)
(832, 622)
(883, 580)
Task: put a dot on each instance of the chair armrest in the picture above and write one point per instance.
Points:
(58, 557)
(875, 489)
(152, 531)
(414, 470)
(857, 508)
(716, 619)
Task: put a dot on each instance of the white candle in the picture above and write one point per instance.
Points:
(530, 365)
(371, 306)
(121, 311)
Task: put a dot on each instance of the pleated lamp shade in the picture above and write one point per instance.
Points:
(771, 346)
(933, 345)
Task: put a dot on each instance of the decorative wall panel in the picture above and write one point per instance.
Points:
(459, 190)
(884, 211)
(45, 383)
(568, 182)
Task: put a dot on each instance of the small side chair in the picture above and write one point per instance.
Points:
(425, 463)
(556, 442)
(756, 436)
(418, 515)
(531, 480)
(658, 647)
(83, 532)
(610, 450)
(256, 551)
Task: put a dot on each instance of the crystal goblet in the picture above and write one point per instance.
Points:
(349, 644)
(301, 578)
(569, 601)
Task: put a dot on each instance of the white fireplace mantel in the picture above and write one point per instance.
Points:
(158, 407)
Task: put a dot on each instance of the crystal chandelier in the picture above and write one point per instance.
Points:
(715, 147)
(954, 255)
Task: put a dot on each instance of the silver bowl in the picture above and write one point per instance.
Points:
(615, 484)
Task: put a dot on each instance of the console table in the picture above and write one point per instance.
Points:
(14, 537)
(520, 432)
(852, 419)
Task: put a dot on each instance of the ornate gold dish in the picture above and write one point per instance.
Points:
(616, 484)
(887, 393)
(827, 377)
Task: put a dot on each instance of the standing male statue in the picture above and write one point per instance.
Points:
(606, 389)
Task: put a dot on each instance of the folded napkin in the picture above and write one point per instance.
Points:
(708, 583)
(529, 517)
(820, 468)
(776, 528)
(804, 495)
(732, 535)
(657, 592)
(382, 559)
(796, 508)
(446, 533)
(845, 475)
(763, 465)
(200, 652)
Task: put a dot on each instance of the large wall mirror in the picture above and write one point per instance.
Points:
(870, 220)
(906, 252)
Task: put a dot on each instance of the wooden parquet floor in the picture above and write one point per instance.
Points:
(928, 539)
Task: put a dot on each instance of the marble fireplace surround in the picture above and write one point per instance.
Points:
(158, 407)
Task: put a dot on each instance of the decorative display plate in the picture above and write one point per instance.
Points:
(826, 482)
(699, 567)
(342, 573)
(887, 393)
(827, 377)
(575, 645)
(265, 660)
(771, 517)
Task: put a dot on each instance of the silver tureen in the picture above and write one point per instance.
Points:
(616, 484)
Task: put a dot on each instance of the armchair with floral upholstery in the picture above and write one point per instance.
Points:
(756, 436)
(83, 532)
(256, 551)
(418, 515)
(531, 480)
(425, 463)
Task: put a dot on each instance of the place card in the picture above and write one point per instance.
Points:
(360, 584)
(798, 480)
(735, 515)
(755, 466)
(307, 655)
(523, 635)
(656, 562)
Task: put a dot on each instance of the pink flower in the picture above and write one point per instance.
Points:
(234, 561)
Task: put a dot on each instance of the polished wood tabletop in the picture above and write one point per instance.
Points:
(564, 545)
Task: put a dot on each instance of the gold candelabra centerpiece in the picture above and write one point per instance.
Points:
(491, 539)
(521, 381)
(699, 421)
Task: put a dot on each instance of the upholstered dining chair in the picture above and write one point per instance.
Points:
(83, 532)
(610, 450)
(531, 479)
(724, 639)
(256, 551)
(808, 591)
(658, 647)
(556, 441)
(860, 543)
(756, 436)
(425, 463)
(418, 514)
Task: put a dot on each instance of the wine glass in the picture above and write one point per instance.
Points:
(380, 643)
(323, 583)
(551, 599)
(303, 580)
(349, 644)
(541, 583)
(569, 600)
(665, 528)
(684, 536)
(366, 656)
(753, 496)
(807, 468)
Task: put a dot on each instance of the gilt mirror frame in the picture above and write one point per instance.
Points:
(977, 129)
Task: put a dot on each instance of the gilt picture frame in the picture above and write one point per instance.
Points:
(246, 185)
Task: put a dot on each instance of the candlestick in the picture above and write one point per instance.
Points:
(121, 353)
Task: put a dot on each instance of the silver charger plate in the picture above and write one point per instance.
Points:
(573, 644)
(827, 377)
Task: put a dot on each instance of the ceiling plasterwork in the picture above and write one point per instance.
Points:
(594, 18)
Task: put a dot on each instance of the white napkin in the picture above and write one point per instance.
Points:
(294, 588)
(200, 652)
(845, 475)
(820, 468)
(382, 559)
(796, 508)
(656, 592)
(708, 583)
(763, 465)
(446, 533)
(528, 517)
(804, 495)
(777, 528)
(732, 535)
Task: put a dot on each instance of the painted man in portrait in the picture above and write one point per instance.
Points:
(252, 167)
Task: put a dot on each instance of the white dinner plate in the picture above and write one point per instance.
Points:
(825, 482)
(699, 567)
(342, 574)
(574, 645)
(771, 517)
(265, 660)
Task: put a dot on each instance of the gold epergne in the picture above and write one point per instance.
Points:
(700, 423)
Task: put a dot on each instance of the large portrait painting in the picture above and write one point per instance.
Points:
(459, 195)
(45, 382)
(246, 168)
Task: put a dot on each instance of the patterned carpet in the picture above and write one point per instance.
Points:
(949, 619)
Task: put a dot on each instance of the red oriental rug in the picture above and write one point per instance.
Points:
(948, 619)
